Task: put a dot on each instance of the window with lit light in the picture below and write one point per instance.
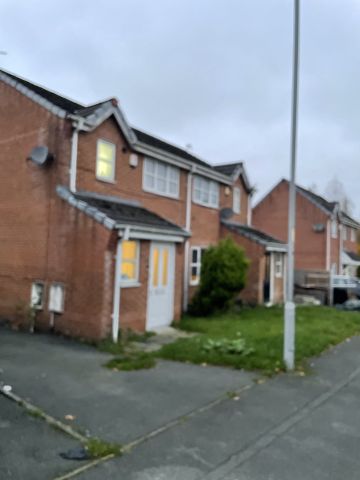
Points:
(130, 262)
(105, 161)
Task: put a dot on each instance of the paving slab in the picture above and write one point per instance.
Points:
(29, 447)
(64, 377)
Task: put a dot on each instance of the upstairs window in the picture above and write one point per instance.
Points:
(105, 161)
(195, 265)
(206, 192)
(334, 229)
(160, 178)
(353, 235)
(236, 200)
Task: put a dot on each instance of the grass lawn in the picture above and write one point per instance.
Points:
(317, 328)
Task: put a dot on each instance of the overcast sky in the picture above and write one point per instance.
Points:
(215, 74)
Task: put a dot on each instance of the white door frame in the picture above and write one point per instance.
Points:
(171, 273)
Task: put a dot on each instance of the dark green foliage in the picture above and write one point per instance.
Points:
(223, 276)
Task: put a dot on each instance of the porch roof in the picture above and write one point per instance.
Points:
(257, 236)
(116, 213)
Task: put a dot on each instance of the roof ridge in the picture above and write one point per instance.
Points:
(41, 90)
(172, 144)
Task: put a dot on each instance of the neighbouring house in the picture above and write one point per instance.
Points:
(326, 237)
(102, 226)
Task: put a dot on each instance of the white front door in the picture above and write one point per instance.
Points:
(160, 308)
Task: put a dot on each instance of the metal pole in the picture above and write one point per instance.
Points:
(289, 313)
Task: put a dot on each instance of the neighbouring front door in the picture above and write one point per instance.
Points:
(160, 310)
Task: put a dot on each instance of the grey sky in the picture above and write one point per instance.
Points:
(212, 73)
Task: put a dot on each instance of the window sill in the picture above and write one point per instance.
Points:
(105, 180)
(206, 205)
(130, 284)
(162, 194)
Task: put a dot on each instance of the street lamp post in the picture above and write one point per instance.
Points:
(289, 312)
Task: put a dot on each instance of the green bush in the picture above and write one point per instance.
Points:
(223, 276)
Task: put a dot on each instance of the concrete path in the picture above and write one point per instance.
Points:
(288, 427)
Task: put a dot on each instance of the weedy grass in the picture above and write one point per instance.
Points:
(98, 448)
(261, 332)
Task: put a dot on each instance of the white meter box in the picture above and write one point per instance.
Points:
(56, 298)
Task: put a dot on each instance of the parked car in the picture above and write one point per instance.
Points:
(345, 287)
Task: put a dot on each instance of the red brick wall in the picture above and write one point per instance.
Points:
(253, 291)
(271, 216)
(82, 258)
(25, 191)
(128, 180)
(226, 200)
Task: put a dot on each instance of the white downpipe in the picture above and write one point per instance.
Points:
(272, 279)
(249, 211)
(117, 287)
(187, 242)
(328, 246)
(340, 271)
(74, 154)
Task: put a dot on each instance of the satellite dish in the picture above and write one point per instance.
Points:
(226, 213)
(40, 155)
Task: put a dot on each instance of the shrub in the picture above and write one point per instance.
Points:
(223, 275)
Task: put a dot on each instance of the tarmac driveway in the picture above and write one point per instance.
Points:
(64, 377)
(287, 427)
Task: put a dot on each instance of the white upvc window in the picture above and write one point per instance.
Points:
(344, 232)
(206, 192)
(160, 178)
(130, 254)
(278, 265)
(105, 161)
(236, 200)
(353, 235)
(334, 229)
(37, 295)
(195, 264)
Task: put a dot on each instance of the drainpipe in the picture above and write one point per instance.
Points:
(340, 247)
(249, 211)
(187, 242)
(117, 286)
(74, 153)
(328, 246)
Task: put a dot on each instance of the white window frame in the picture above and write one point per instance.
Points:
(334, 229)
(168, 180)
(196, 264)
(110, 179)
(236, 200)
(278, 265)
(132, 282)
(33, 286)
(199, 185)
(353, 234)
(344, 232)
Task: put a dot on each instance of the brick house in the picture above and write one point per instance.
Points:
(326, 237)
(103, 226)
